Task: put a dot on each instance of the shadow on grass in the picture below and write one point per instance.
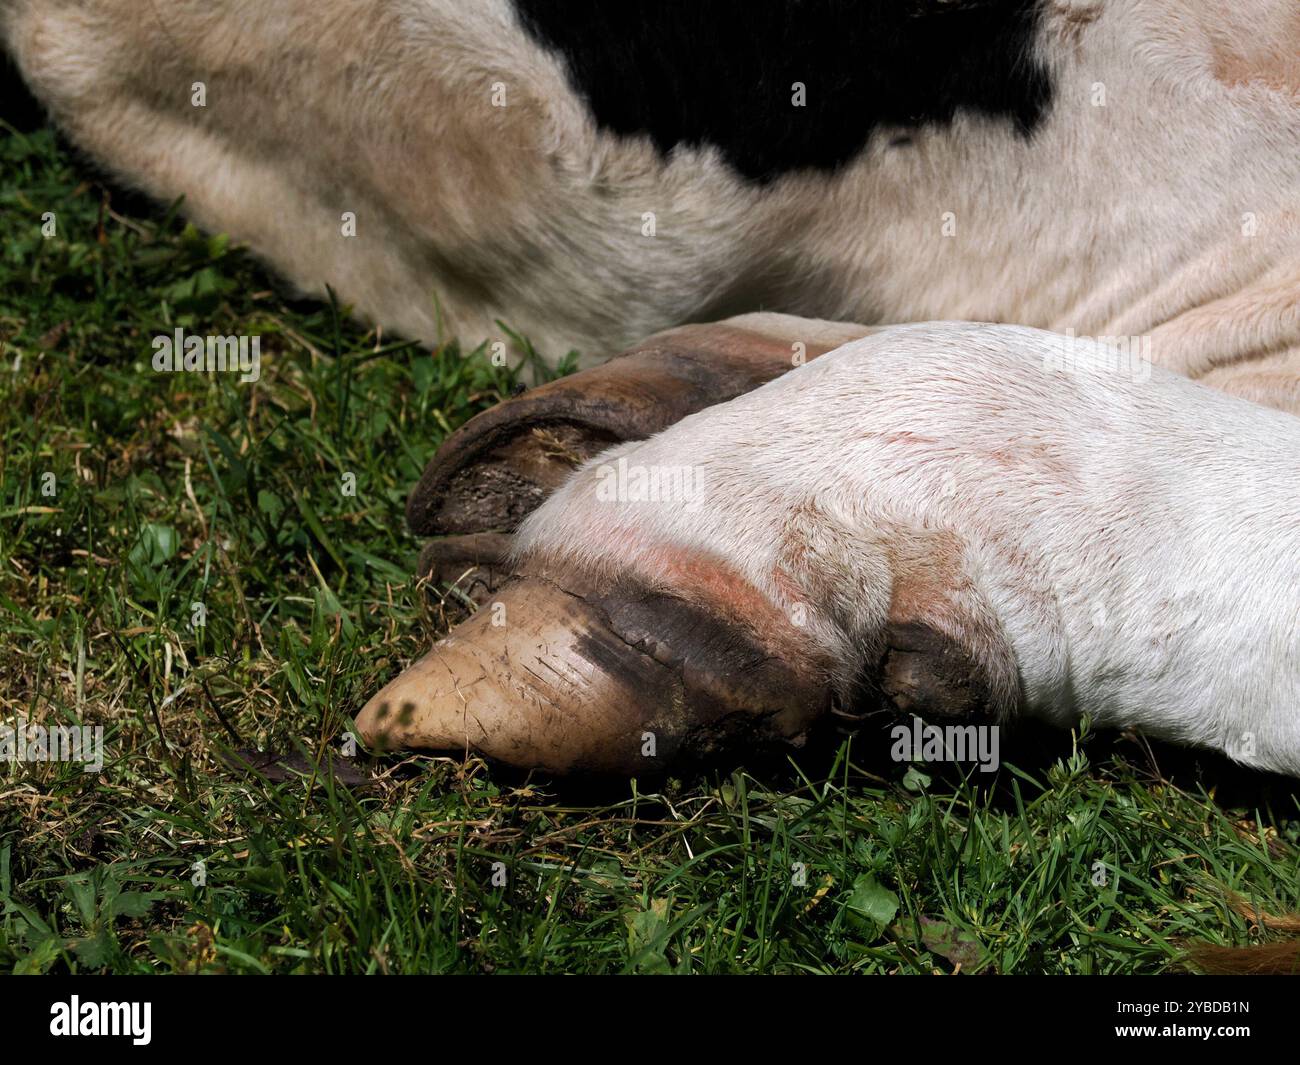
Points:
(1028, 752)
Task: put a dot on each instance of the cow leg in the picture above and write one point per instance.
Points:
(935, 518)
(497, 468)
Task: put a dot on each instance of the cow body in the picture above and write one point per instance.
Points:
(1113, 168)
(1096, 168)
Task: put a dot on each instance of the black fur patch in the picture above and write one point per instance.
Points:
(722, 72)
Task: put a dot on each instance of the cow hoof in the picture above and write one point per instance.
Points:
(475, 564)
(497, 468)
(569, 678)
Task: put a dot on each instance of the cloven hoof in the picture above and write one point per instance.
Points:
(572, 679)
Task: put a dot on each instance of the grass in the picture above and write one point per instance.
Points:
(130, 496)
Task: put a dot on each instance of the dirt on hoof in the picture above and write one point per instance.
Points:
(574, 679)
(927, 673)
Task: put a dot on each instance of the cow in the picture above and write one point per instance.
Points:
(998, 415)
